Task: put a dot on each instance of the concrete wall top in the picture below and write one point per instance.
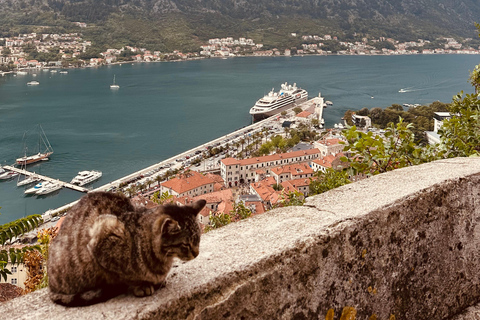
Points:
(402, 243)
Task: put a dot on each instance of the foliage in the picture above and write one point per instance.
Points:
(330, 179)
(18, 227)
(13, 230)
(376, 154)
(292, 198)
(33, 261)
(421, 117)
(163, 198)
(240, 212)
(460, 135)
(297, 110)
(37, 267)
(217, 220)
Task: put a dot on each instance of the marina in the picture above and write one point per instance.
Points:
(41, 177)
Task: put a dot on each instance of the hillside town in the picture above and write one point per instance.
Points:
(36, 51)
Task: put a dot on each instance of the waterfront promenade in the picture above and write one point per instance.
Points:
(172, 163)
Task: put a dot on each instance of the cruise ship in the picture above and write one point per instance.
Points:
(276, 102)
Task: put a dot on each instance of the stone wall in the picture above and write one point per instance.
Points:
(405, 243)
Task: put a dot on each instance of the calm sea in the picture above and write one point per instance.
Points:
(163, 109)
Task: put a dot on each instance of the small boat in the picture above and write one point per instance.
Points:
(53, 71)
(86, 177)
(34, 189)
(48, 187)
(28, 180)
(33, 83)
(63, 72)
(22, 72)
(5, 175)
(114, 85)
(48, 150)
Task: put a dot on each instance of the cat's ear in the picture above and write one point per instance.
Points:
(169, 226)
(198, 205)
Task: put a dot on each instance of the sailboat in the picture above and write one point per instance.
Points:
(41, 155)
(27, 179)
(114, 85)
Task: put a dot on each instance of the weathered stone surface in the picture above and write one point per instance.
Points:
(403, 243)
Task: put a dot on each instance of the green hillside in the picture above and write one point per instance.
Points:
(181, 24)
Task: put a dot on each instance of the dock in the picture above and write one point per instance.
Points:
(64, 184)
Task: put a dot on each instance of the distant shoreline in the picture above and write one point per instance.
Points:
(2, 73)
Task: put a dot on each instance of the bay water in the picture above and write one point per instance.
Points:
(163, 109)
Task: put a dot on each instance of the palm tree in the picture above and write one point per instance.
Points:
(158, 179)
(149, 182)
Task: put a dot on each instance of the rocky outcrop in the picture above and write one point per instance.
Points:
(403, 243)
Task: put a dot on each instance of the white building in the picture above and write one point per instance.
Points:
(235, 171)
(18, 276)
(438, 117)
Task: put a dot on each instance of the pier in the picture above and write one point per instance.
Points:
(64, 184)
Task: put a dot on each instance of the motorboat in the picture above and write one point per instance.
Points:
(48, 187)
(86, 177)
(114, 85)
(5, 175)
(34, 189)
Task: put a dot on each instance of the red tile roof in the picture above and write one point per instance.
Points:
(187, 181)
(293, 169)
(303, 114)
(270, 158)
(223, 198)
(330, 142)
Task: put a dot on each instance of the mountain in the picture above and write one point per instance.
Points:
(162, 24)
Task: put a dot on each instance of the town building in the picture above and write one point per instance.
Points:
(432, 136)
(188, 183)
(361, 121)
(234, 171)
(291, 172)
(219, 201)
(329, 146)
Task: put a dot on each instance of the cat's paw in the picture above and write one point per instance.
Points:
(143, 290)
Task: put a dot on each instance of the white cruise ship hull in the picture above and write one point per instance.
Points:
(275, 103)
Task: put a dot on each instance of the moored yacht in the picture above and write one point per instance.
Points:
(34, 189)
(86, 177)
(48, 187)
(28, 180)
(5, 175)
(276, 102)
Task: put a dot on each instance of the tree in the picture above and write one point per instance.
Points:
(240, 212)
(374, 154)
(163, 198)
(13, 230)
(292, 198)
(217, 220)
(297, 110)
(330, 179)
(283, 113)
(460, 135)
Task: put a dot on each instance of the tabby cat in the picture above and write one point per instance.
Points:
(106, 247)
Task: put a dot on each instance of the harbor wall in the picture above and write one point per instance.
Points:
(400, 245)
